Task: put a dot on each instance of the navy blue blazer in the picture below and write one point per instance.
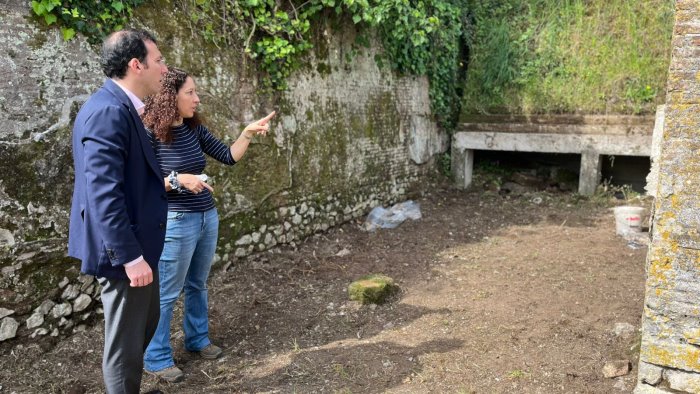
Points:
(119, 207)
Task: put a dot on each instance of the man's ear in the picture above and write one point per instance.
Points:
(134, 64)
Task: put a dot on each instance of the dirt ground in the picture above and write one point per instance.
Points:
(499, 294)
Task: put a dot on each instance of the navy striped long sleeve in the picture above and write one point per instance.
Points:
(185, 155)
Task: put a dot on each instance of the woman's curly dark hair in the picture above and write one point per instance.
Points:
(161, 109)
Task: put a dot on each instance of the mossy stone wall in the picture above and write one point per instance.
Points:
(348, 136)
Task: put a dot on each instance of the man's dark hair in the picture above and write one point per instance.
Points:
(122, 46)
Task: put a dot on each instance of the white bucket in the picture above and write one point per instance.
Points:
(628, 219)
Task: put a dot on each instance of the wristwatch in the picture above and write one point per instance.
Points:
(174, 183)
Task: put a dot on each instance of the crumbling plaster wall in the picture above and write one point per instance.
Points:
(348, 136)
(670, 349)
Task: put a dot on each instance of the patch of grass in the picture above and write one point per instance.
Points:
(481, 295)
(517, 374)
(570, 56)
(608, 194)
(340, 370)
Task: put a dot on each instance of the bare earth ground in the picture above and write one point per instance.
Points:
(499, 295)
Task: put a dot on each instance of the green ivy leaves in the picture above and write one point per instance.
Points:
(94, 19)
(43, 8)
(419, 37)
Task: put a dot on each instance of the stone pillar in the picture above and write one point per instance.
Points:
(670, 349)
(462, 167)
(589, 175)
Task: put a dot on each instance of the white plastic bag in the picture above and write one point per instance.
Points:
(380, 217)
(410, 209)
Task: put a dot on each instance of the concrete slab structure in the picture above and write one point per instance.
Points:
(589, 136)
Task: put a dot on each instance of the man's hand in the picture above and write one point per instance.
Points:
(140, 274)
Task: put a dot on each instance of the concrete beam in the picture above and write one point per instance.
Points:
(623, 145)
(589, 146)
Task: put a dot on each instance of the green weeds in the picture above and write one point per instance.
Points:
(571, 56)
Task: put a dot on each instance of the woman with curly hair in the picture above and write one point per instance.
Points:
(180, 142)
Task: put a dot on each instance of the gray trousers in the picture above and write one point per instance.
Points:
(131, 318)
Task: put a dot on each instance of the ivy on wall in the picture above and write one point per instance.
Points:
(93, 19)
(420, 37)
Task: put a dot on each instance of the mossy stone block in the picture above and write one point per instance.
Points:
(372, 289)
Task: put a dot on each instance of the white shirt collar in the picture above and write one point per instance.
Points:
(138, 104)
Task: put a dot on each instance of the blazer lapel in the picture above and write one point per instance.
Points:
(146, 146)
(140, 128)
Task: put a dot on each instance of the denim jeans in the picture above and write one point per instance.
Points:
(190, 242)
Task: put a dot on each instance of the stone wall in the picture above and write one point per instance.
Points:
(670, 350)
(349, 136)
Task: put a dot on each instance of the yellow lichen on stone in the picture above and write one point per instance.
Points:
(692, 336)
(665, 333)
(670, 336)
(668, 215)
(673, 246)
(659, 271)
(683, 357)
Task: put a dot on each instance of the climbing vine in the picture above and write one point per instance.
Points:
(420, 37)
(423, 38)
(93, 19)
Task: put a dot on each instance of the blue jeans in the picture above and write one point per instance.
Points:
(190, 242)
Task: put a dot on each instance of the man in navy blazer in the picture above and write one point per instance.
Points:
(119, 209)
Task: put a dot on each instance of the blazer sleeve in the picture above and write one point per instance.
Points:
(105, 145)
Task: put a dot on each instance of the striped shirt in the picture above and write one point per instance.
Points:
(185, 155)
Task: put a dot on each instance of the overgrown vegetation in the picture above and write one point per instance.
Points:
(93, 19)
(419, 37)
(607, 191)
(568, 56)
(531, 56)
